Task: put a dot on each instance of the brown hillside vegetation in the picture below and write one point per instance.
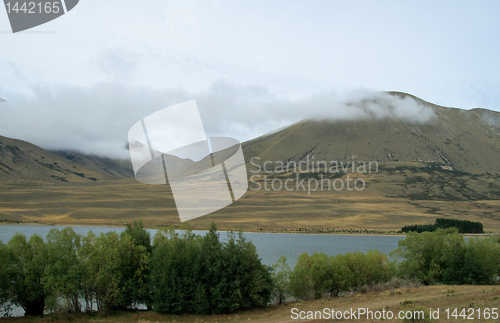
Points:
(25, 163)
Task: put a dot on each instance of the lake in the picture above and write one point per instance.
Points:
(270, 246)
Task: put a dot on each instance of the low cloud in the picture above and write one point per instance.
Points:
(117, 64)
(97, 119)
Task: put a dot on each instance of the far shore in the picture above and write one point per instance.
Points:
(181, 227)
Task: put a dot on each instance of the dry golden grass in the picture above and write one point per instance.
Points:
(119, 202)
(434, 297)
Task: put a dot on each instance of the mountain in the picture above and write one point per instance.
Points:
(437, 162)
(455, 139)
(22, 162)
(452, 156)
(118, 168)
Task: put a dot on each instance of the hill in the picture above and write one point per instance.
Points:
(118, 168)
(22, 162)
(462, 140)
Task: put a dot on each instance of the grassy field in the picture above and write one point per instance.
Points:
(395, 300)
(385, 205)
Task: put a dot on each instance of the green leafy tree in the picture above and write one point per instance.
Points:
(5, 278)
(140, 236)
(106, 270)
(425, 255)
(176, 271)
(320, 273)
(89, 269)
(339, 277)
(248, 281)
(135, 249)
(281, 277)
(63, 272)
(202, 275)
(301, 283)
(444, 256)
(27, 265)
(475, 262)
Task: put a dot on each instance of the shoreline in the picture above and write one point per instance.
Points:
(381, 234)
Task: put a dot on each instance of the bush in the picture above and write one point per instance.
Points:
(394, 283)
(318, 274)
(281, 278)
(444, 256)
(202, 275)
(301, 284)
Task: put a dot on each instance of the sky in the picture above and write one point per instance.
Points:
(81, 81)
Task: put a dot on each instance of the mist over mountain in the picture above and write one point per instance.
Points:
(25, 163)
(390, 127)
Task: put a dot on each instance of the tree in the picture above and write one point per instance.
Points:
(28, 261)
(249, 282)
(281, 277)
(475, 262)
(140, 236)
(5, 278)
(106, 268)
(444, 256)
(301, 283)
(176, 272)
(320, 273)
(339, 277)
(202, 275)
(63, 272)
(425, 256)
(135, 249)
(88, 269)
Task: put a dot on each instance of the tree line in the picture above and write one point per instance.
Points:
(319, 274)
(186, 273)
(444, 256)
(463, 226)
(439, 257)
(176, 273)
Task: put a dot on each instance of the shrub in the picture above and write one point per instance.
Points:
(444, 256)
(281, 278)
(315, 275)
(202, 275)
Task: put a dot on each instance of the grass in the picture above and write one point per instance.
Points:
(393, 198)
(390, 300)
(120, 202)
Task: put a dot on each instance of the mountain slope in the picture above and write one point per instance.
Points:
(466, 141)
(117, 168)
(22, 162)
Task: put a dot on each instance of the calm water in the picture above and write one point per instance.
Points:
(270, 246)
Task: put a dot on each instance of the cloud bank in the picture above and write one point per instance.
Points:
(96, 119)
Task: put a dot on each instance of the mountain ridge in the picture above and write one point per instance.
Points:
(23, 162)
(454, 138)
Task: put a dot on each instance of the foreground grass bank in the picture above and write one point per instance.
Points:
(403, 299)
